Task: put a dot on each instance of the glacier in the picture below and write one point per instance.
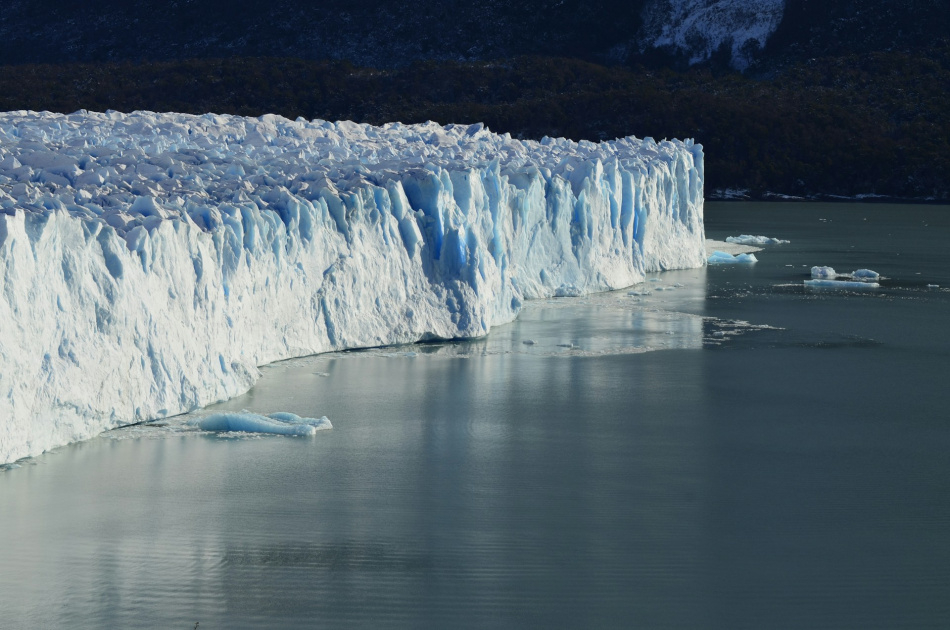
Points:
(150, 262)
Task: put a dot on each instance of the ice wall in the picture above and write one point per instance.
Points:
(150, 262)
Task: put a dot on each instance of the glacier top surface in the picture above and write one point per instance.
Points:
(148, 166)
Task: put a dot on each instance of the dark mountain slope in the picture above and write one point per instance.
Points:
(386, 33)
(380, 33)
(822, 28)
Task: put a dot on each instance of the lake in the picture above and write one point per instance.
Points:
(725, 450)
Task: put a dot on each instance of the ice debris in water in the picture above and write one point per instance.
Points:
(149, 263)
(748, 239)
(280, 423)
(840, 284)
(568, 290)
(722, 258)
(861, 275)
(320, 423)
(866, 275)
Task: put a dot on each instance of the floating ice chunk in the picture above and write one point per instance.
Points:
(748, 239)
(250, 423)
(823, 272)
(319, 424)
(722, 258)
(529, 342)
(933, 286)
(839, 284)
(635, 292)
(865, 275)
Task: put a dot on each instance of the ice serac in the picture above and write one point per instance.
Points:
(150, 262)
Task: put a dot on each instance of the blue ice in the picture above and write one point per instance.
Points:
(247, 422)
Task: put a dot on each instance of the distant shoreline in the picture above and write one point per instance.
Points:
(717, 196)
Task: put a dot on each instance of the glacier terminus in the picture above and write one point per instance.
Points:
(149, 263)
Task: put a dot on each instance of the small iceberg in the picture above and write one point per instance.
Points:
(748, 239)
(861, 275)
(319, 424)
(280, 423)
(839, 284)
(722, 258)
(823, 272)
(866, 275)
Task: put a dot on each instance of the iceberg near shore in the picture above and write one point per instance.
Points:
(149, 263)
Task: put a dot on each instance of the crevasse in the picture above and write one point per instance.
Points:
(150, 262)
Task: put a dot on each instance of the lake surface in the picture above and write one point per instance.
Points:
(734, 452)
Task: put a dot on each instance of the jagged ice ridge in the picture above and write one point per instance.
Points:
(149, 263)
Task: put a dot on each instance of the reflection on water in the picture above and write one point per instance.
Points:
(780, 461)
(596, 325)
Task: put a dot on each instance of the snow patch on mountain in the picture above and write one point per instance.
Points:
(698, 28)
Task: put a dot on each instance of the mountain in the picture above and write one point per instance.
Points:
(838, 98)
(384, 33)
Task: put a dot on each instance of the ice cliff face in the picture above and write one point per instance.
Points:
(700, 27)
(150, 262)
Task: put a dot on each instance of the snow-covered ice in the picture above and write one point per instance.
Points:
(749, 239)
(722, 258)
(150, 262)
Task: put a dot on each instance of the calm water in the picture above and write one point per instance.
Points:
(788, 472)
